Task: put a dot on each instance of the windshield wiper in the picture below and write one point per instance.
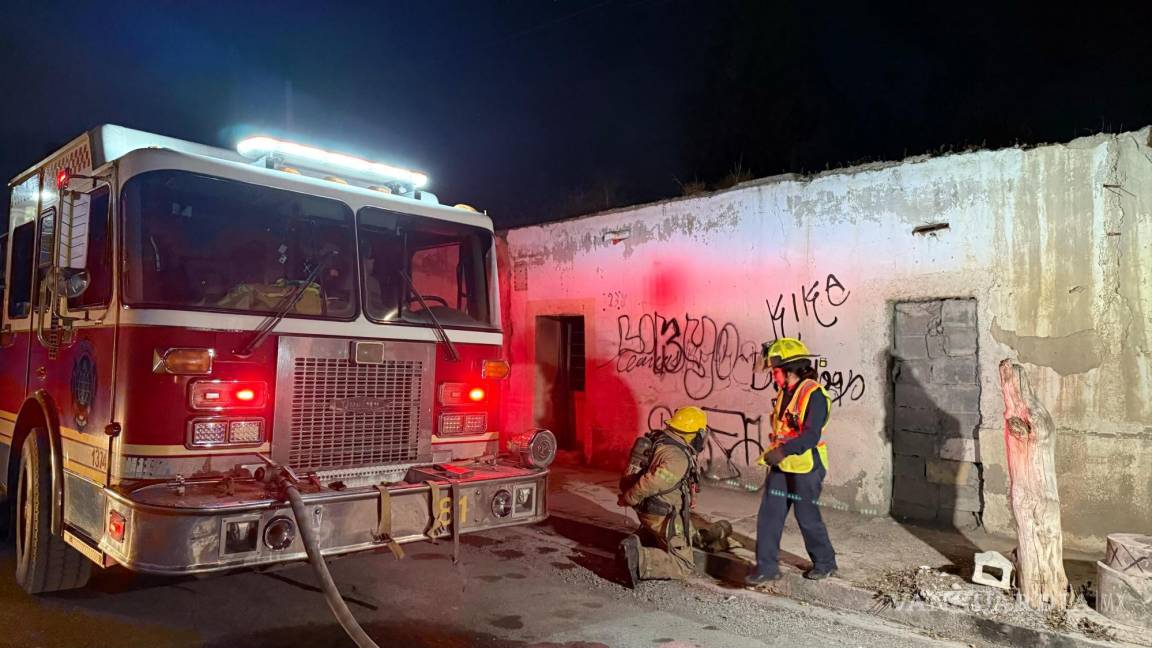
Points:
(287, 303)
(440, 332)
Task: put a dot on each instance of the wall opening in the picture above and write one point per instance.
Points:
(936, 470)
(560, 371)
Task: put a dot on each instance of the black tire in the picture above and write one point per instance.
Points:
(44, 562)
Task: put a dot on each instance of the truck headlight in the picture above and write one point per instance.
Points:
(279, 533)
(502, 504)
(223, 432)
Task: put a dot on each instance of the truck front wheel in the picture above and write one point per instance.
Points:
(44, 562)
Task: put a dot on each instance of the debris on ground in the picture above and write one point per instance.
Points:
(938, 588)
(923, 584)
(1057, 619)
(1095, 630)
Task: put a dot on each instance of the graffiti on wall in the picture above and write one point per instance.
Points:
(704, 355)
(841, 385)
(701, 353)
(815, 302)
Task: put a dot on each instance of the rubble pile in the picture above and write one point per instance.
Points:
(923, 584)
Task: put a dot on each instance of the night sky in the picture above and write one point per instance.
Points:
(539, 109)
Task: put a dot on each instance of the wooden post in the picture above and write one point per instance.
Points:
(1029, 439)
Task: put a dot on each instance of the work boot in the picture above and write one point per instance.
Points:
(755, 578)
(819, 574)
(629, 555)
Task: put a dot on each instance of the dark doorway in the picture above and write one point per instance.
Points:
(936, 413)
(560, 366)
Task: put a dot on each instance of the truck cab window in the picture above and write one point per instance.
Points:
(98, 261)
(20, 279)
(447, 262)
(203, 243)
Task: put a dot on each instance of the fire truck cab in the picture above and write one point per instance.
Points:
(183, 325)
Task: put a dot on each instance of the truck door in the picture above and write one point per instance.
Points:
(74, 350)
(15, 328)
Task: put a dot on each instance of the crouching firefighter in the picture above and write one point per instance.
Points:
(660, 484)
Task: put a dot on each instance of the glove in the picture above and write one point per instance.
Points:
(772, 457)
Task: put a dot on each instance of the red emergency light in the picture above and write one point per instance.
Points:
(226, 394)
(117, 524)
(476, 394)
(63, 177)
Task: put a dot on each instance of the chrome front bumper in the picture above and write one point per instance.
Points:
(168, 532)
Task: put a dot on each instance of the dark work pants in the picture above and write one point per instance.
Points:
(783, 491)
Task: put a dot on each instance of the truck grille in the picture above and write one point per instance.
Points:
(348, 415)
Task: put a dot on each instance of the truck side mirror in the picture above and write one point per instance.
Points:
(73, 283)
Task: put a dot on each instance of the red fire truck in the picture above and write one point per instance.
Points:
(186, 328)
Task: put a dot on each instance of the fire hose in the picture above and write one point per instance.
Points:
(312, 546)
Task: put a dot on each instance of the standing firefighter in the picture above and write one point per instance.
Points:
(798, 460)
(659, 484)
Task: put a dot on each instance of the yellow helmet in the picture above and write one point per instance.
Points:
(688, 421)
(786, 350)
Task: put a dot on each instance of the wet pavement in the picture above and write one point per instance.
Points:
(554, 585)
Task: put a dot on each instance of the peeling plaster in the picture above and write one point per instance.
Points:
(676, 220)
(1070, 354)
(848, 492)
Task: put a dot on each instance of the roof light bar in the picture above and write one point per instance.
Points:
(257, 147)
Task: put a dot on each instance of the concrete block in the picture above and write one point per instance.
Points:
(925, 421)
(993, 560)
(959, 449)
(908, 466)
(958, 313)
(1130, 553)
(966, 520)
(910, 510)
(954, 399)
(915, 444)
(917, 318)
(916, 396)
(915, 491)
(911, 347)
(1125, 597)
(953, 473)
(964, 425)
(914, 371)
(952, 371)
(960, 342)
(935, 343)
(961, 498)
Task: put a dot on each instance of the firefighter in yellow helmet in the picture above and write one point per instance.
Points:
(659, 485)
(798, 461)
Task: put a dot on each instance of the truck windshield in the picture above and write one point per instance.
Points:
(448, 263)
(205, 243)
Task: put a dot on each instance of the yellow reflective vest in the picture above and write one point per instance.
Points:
(788, 422)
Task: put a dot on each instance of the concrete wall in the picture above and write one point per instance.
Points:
(1053, 243)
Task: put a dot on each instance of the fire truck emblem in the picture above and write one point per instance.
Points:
(83, 385)
(359, 405)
